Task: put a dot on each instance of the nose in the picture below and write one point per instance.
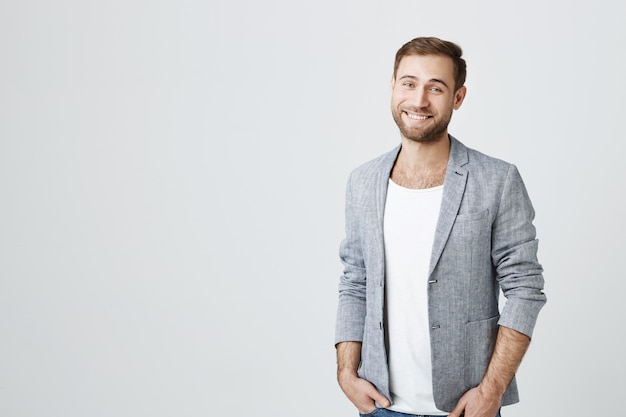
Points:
(419, 98)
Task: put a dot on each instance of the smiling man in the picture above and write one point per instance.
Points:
(434, 231)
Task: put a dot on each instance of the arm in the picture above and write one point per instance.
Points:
(351, 309)
(485, 399)
(514, 256)
(351, 314)
(359, 391)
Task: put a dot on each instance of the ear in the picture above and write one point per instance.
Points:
(459, 96)
(393, 82)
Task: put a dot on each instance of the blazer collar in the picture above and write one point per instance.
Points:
(383, 171)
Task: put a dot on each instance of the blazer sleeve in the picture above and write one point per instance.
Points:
(514, 256)
(352, 288)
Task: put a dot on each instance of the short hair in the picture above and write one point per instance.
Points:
(435, 46)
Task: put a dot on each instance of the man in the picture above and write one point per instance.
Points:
(434, 230)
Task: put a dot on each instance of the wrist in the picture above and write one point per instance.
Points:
(491, 390)
(346, 373)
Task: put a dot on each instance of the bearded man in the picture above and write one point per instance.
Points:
(434, 231)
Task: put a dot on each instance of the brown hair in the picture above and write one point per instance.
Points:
(435, 46)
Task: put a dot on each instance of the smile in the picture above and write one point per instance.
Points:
(416, 116)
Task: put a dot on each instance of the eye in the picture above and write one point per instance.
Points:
(436, 90)
(408, 84)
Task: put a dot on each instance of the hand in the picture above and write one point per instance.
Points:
(476, 403)
(361, 392)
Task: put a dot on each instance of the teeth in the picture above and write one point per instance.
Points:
(416, 117)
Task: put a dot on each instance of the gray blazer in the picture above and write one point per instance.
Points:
(485, 240)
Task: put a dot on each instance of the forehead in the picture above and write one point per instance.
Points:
(426, 67)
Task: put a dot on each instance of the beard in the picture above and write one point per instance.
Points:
(428, 134)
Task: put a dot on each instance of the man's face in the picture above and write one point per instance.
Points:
(423, 97)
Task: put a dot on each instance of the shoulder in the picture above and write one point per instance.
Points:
(375, 167)
(479, 162)
(487, 175)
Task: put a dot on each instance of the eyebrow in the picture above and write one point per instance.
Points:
(432, 80)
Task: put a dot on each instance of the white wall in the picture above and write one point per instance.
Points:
(172, 177)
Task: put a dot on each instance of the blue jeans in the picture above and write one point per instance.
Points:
(383, 412)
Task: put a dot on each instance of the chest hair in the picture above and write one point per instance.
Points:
(418, 180)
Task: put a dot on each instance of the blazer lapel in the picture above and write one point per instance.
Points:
(453, 189)
(381, 184)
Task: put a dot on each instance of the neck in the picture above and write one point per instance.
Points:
(421, 164)
(418, 156)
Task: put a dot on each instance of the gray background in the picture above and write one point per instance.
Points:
(172, 178)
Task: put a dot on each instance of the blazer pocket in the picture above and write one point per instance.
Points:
(469, 217)
(470, 230)
(481, 339)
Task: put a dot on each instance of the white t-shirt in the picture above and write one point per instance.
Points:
(409, 230)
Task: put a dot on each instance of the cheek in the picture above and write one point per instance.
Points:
(398, 97)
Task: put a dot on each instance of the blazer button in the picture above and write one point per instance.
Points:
(435, 326)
